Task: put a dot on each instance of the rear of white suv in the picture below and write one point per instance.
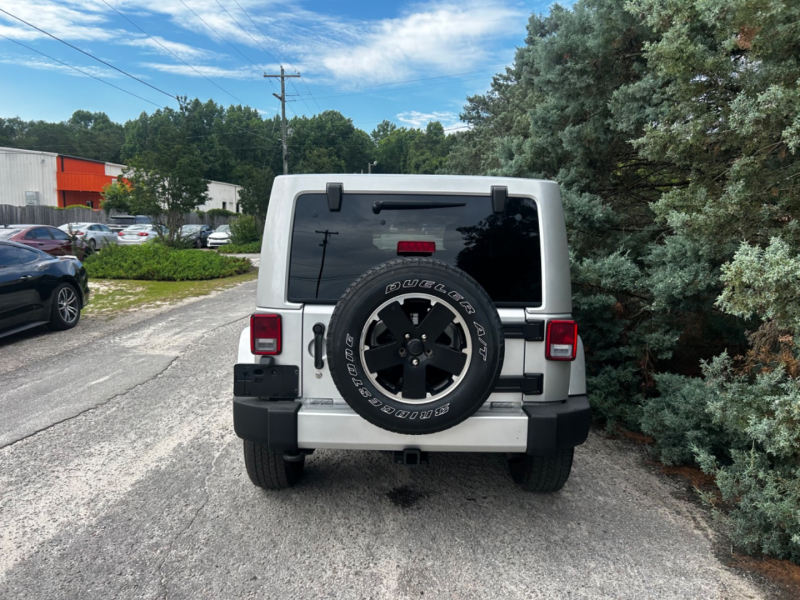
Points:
(412, 314)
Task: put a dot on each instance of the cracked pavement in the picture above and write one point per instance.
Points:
(121, 477)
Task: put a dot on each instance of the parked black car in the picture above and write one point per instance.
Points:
(39, 289)
(197, 234)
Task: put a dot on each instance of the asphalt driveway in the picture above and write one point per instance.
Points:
(121, 477)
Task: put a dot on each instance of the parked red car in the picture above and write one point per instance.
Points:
(42, 237)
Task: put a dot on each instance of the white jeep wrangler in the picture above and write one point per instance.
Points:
(412, 314)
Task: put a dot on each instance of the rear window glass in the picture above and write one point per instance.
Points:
(6, 233)
(122, 220)
(501, 251)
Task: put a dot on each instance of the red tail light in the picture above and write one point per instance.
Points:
(143, 233)
(78, 233)
(416, 247)
(120, 233)
(562, 340)
(265, 334)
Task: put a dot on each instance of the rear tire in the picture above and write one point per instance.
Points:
(542, 473)
(65, 309)
(269, 470)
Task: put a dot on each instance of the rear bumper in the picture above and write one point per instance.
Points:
(536, 428)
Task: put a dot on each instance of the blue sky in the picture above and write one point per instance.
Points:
(406, 62)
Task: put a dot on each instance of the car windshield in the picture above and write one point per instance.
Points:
(190, 228)
(121, 220)
(500, 250)
(6, 233)
(223, 229)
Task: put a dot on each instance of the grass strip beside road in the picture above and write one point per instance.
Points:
(111, 296)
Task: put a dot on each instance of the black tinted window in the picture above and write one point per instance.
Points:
(501, 251)
(58, 234)
(40, 233)
(26, 256)
(8, 256)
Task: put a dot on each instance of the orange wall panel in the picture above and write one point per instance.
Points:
(82, 182)
(77, 165)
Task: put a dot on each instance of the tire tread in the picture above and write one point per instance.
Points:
(542, 473)
(268, 469)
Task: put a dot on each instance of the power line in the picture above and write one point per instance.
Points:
(220, 35)
(267, 39)
(256, 42)
(92, 56)
(173, 53)
(247, 32)
(81, 71)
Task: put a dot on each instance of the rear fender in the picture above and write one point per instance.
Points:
(577, 372)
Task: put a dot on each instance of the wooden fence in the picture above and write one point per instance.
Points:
(50, 215)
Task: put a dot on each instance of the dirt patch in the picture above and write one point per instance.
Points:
(632, 436)
(404, 496)
(783, 574)
(693, 475)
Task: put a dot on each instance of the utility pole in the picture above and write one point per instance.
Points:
(324, 245)
(282, 98)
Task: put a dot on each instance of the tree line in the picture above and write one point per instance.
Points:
(673, 129)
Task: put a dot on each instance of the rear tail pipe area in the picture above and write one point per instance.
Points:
(411, 457)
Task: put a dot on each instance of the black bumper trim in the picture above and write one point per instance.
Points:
(559, 425)
(273, 424)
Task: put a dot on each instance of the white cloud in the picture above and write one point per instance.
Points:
(444, 37)
(209, 70)
(184, 51)
(419, 120)
(437, 37)
(44, 64)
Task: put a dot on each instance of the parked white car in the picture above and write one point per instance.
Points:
(220, 237)
(139, 234)
(94, 235)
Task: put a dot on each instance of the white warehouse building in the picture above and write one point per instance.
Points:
(29, 177)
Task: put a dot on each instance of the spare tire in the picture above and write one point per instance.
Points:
(415, 346)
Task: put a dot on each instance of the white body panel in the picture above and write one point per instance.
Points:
(325, 420)
(26, 171)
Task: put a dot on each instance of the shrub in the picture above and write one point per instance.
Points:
(161, 263)
(760, 482)
(679, 421)
(249, 248)
(218, 212)
(245, 230)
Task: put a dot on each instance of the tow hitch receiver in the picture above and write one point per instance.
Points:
(411, 457)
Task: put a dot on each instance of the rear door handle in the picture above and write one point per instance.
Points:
(319, 339)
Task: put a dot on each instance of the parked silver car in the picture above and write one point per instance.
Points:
(220, 237)
(139, 234)
(94, 235)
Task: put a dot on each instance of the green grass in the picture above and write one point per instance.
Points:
(155, 262)
(111, 296)
(251, 248)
